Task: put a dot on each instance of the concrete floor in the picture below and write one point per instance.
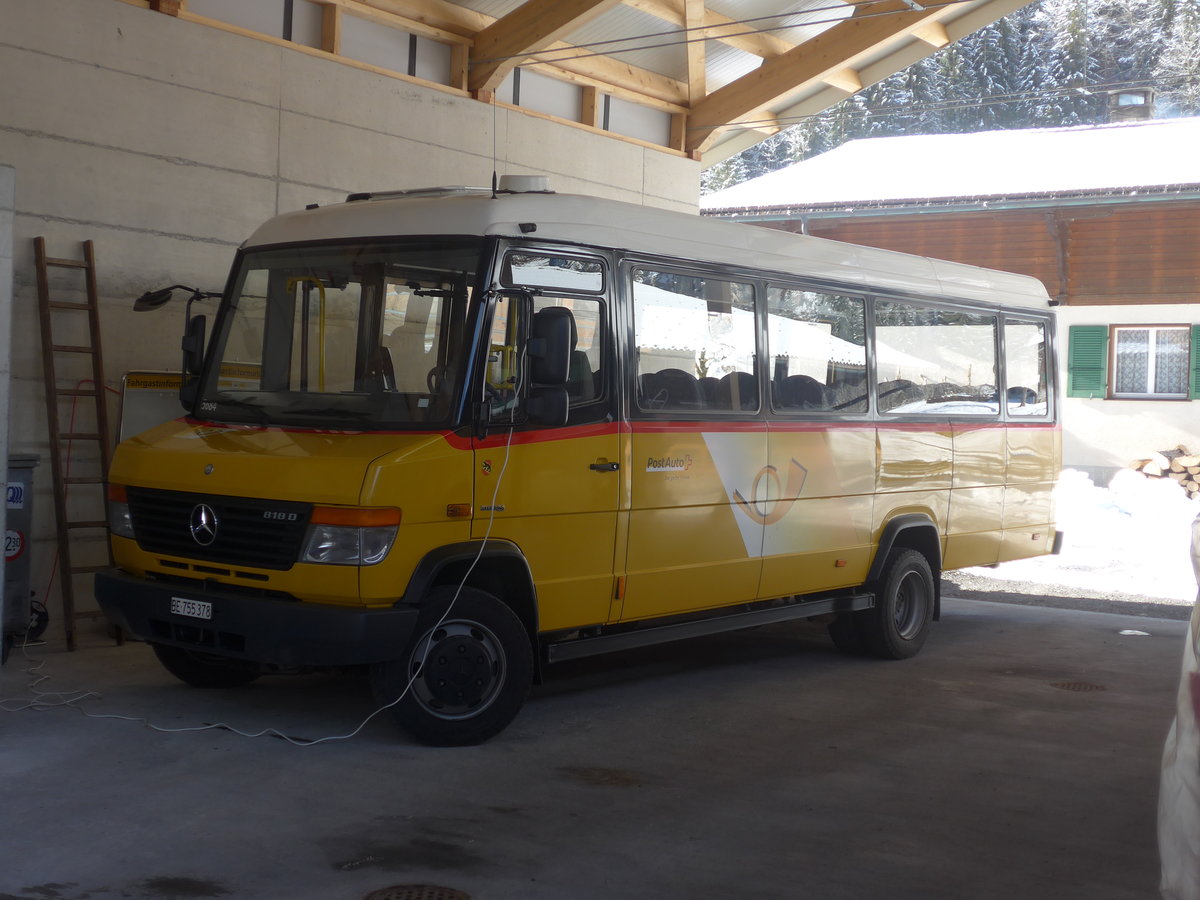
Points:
(752, 765)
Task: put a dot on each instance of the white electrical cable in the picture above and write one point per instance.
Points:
(41, 705)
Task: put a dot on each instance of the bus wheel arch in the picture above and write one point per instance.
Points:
(497, 567)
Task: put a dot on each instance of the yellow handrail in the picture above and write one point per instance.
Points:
(291, 286)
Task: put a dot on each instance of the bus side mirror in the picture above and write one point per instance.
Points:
(193, 346)
(549, 347)
(547, 406)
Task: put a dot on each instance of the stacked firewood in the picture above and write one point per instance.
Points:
(1179, 465)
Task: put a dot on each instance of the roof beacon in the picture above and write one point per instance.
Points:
(525, 184)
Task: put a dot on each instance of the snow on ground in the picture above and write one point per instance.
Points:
(1132, 537)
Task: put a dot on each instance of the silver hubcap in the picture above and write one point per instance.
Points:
(459, 668)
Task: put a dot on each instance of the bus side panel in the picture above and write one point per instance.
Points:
(973, 529)
(1033, 462)
(817, 510)
(560, 511)
(914, 458)
(914, 474)
(692, 544)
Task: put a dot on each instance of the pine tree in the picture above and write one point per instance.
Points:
(1177, 68)
(1048, 64)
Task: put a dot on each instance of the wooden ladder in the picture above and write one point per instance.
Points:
(63, 442)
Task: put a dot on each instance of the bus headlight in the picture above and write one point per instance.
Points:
(340, 536)
(120, 522)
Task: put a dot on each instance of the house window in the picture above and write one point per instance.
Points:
(1151, 362)
(1134, 362)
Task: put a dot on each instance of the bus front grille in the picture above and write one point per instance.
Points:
(241, 531)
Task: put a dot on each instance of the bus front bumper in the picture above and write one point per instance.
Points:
(286, 633)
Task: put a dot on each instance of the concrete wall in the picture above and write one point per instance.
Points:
(166, 142)
(1102, 436)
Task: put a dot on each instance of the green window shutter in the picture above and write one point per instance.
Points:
(1195, 362)
(1087, 361)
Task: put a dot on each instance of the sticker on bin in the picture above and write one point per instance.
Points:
(195, 609)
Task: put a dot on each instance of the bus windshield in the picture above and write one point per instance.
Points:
(359, 335)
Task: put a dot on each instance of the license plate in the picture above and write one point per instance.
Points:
(196, 609)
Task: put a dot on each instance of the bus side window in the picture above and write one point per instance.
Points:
(935, 361)
(817, 342)
(503, 370)
(695, 342)
(1025, 368)
(585, 379)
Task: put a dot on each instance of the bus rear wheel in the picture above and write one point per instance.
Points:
(896, 627)
(463, 678)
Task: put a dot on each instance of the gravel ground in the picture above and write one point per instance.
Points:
(977, 584)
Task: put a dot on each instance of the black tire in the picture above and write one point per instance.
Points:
(464, 676)
(896, 627)
(204, 670)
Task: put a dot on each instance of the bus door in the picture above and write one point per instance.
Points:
(697, 444)
(553, 491)
(822, 454)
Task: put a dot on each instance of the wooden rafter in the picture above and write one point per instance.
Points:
(693, 17)
(617, 77)
(716, 27)
(533, 26)
(825, 56)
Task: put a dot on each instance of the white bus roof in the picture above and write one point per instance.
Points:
(625, 226)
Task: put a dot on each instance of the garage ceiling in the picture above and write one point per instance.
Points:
(730, 72)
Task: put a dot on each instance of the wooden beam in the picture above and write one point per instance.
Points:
(534, 25)
(678, 131)
(716, 27)
(615, 77)
(589, 106)
(169, 7)
(844, 80)
(934, 34)
(811, 61)
(693, 17)
(460, 65)
(331, 29)
(370, 13)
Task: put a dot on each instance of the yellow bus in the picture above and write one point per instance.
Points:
(456, 435)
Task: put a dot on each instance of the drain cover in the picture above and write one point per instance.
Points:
(1079, 686)
(417, 892)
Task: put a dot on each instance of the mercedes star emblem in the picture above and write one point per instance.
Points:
(203, 524)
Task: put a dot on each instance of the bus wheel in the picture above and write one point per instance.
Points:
(204, 670)
(896, 627)
(463, 679)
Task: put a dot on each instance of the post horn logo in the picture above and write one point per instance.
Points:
(203, 524)
(774, 509)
